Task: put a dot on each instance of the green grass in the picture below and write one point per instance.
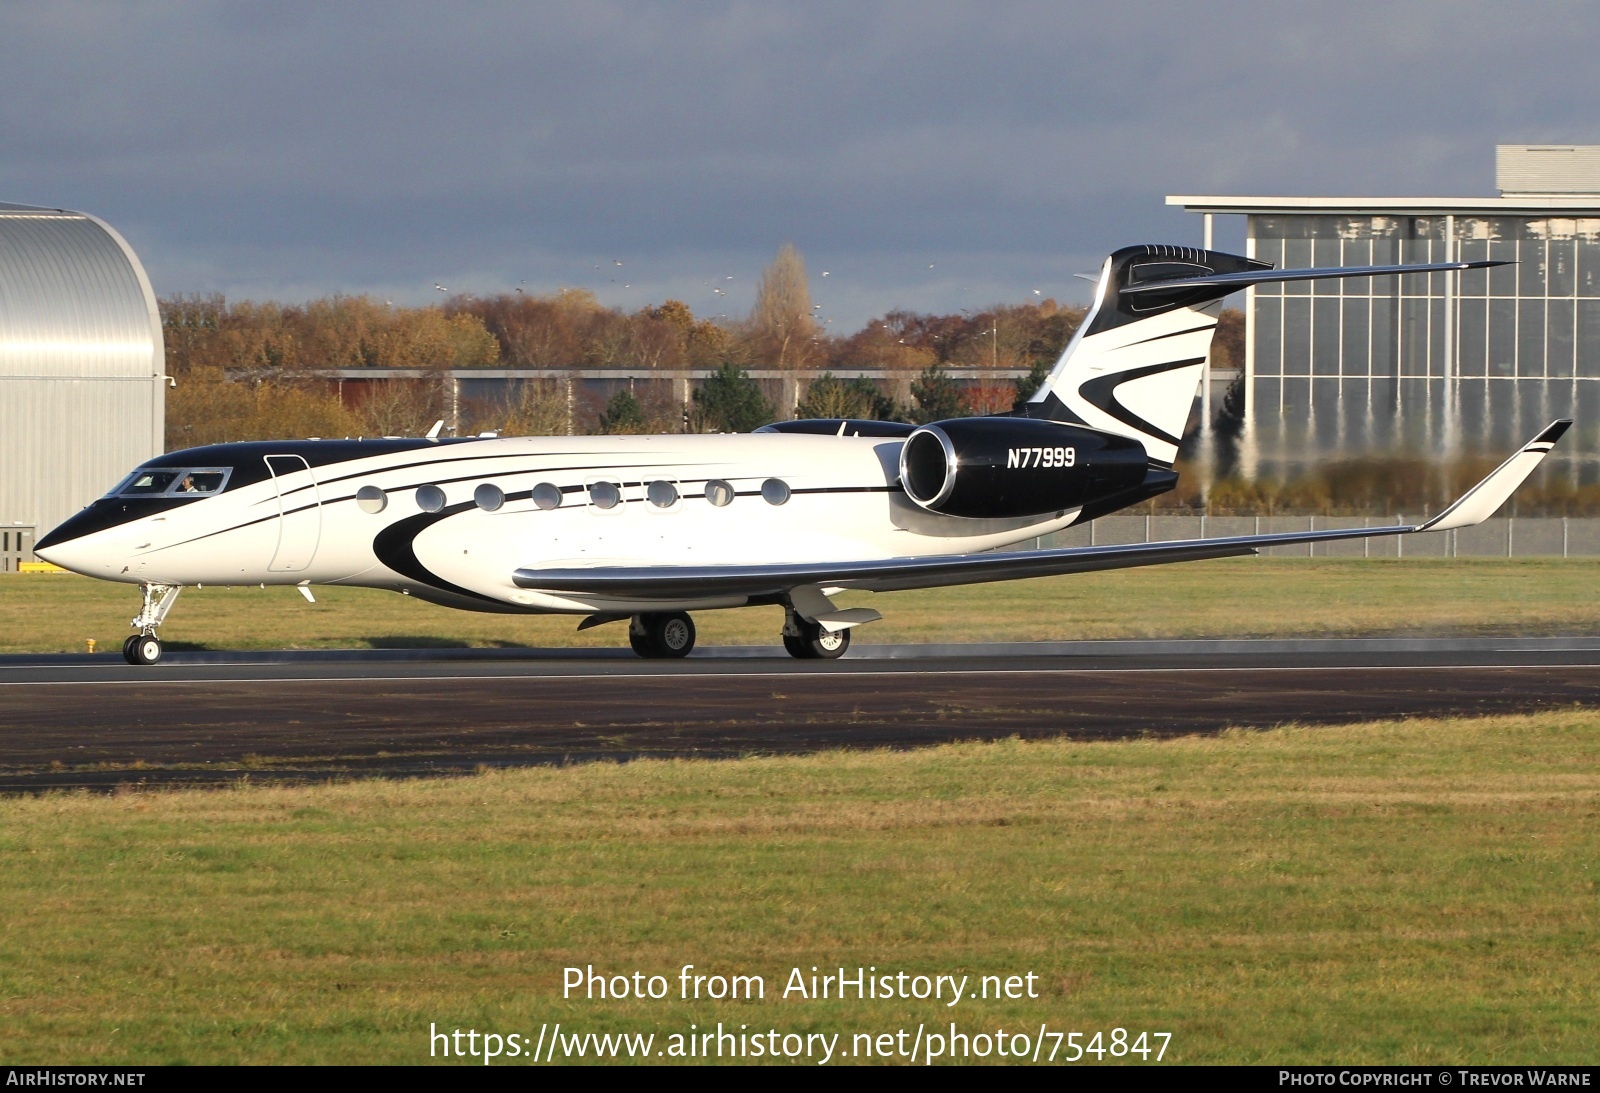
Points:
(1233, 598)
(1424, 892)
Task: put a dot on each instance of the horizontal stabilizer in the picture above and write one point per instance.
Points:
(1235, 281)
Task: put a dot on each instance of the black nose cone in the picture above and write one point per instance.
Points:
(107, 512)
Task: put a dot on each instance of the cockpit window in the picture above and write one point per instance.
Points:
(201, 482)
(148, 483)
(174, 482)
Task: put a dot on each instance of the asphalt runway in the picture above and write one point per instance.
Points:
(95, 722)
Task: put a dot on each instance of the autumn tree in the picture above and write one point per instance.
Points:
(540, 407)
(334, 332)
(206, 407)
(782, 327)
(705, 344)
(405, 407)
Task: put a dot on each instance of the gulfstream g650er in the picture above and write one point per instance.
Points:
(650, 528)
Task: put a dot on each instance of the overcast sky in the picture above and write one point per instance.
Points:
(930, 156)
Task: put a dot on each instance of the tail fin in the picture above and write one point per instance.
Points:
(1135, 364)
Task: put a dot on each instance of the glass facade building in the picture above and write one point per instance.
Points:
(1442, 364)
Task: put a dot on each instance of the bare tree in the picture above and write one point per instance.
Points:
(781, 321)
(542, 407)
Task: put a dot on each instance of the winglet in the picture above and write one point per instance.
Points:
(1480, 502)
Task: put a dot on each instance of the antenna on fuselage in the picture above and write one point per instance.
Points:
(438, 427)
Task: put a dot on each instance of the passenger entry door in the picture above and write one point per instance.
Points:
(299, 513)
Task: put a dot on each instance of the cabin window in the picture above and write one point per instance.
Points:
(605, 495)
(430, 498)
(775, 491)
(547, 496)
(371, 499)
(663, 495)
(489, 497)
(719, 493)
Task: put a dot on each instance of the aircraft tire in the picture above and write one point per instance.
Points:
(815, 643)
(668, 635)
(127, 649)
(147, 649)
(826, 646)
(672, 633)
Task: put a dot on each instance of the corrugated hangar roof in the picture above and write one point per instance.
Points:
(82, 394)
(74, 300)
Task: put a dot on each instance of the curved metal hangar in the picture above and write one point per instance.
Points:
(81, 368)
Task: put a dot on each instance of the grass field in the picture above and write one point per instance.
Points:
(1404, 893)
(1232, 598)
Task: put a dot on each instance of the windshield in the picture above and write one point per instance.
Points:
(145, 483)
(173, 482)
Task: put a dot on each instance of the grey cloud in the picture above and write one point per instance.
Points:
(379, 146)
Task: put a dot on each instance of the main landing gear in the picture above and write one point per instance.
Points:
(144, 647)
(666, 634)
(670, 634)
(806, 640)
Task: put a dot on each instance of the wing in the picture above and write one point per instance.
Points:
(895, 574)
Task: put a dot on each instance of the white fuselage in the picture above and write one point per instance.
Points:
(306, 525)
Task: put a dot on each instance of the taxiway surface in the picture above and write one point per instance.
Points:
(93, 721)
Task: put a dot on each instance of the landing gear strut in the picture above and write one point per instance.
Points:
(144, 647)
(667, 634)
(806, 640)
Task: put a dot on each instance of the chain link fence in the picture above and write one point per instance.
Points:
(1498, 537)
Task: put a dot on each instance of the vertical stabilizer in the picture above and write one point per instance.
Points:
(1135, 364)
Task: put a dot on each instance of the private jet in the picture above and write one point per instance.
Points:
(647, 529)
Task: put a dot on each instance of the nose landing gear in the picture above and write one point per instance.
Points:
(144, 647)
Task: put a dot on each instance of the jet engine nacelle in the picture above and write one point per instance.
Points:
(997, 467)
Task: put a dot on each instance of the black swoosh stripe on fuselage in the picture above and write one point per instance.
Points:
(395, 547)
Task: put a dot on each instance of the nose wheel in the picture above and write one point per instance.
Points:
(142, 649)
(665, 635)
